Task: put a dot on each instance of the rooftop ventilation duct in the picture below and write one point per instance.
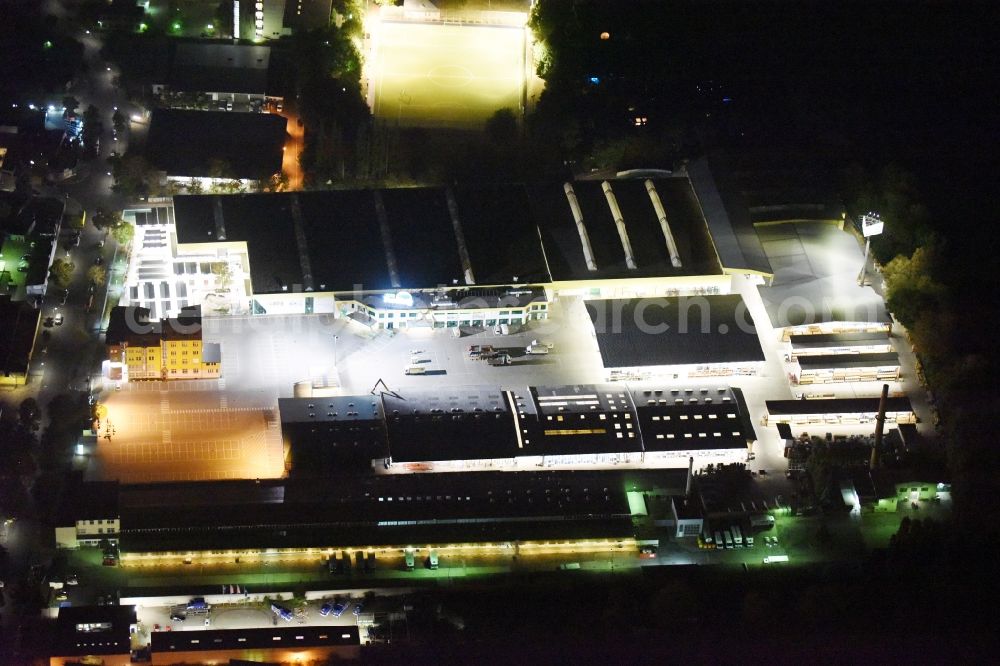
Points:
(574, 206)
(616, 213)
(661, 215)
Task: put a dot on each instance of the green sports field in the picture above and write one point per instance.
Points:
(436, 75)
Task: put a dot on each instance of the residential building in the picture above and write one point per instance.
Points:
(140, 348)
(19, 323)
(88, 514)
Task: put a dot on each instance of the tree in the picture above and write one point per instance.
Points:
(70, 103)
(223, 275)
(501, 128)
(123, 233)
(107, 220)
(132, 174)
(92, 127)
(120, 121)
(910, 286)
(30, 414)
(219, 169)
(61, 272)
(97, 275)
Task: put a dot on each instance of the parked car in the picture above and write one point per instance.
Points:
(325, 609)
(58, 319)
(338, 608)
(178, 617)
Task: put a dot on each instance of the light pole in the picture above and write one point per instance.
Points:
(871, 225)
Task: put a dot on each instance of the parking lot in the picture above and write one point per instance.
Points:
(155, 431)
(274, 353)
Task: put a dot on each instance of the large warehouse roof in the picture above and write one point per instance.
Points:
(414, 238)
(564, 248)
(674, 331)
(688, 419)
(577, 420)
(348, 240)
(396, 509)
(184, 143)
(221, 68)
(832, 361)
(852, 339)
(490, 423)
(836, 406)
(456, 423)
(728, 217)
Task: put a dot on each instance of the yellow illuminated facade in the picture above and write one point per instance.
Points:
(183, 359)
(143, 361)
(162, 351)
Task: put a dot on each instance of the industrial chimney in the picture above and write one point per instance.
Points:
(879, 426)
(690, 478)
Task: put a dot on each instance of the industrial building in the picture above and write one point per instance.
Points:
(261, 20)
(93, 635)
(857, 342)
(215, 146)
(108, 635)
(275, 517)
(210, 74)
(679, 337)
(488, 427)
(831, 368)
(141, 348)
(838, 411)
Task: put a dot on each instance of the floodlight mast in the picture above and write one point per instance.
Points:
(871, 225)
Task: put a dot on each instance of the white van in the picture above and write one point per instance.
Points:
(537, 349)
(413, 369)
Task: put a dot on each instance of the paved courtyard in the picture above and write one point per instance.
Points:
(155, 431)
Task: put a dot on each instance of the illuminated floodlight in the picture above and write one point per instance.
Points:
(871, 224)
(403, 298)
